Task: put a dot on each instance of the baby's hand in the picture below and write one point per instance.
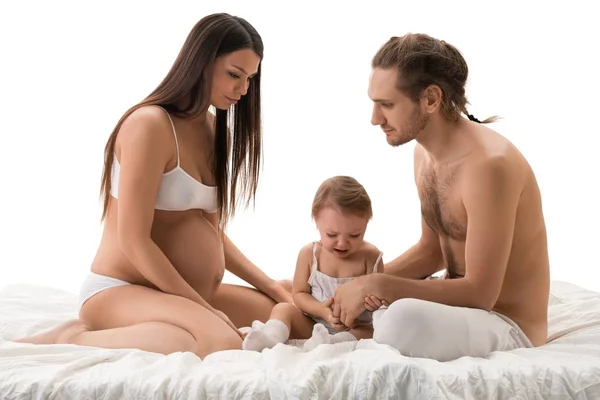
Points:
(333, 321)
(373, 303)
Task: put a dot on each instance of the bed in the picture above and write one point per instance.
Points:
(568, 367)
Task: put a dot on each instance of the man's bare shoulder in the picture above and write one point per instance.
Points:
(499, 167)
(494, 144)
(495, 158)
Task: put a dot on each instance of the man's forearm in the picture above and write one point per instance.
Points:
(415, 263)
(453, 292)
(243, 268)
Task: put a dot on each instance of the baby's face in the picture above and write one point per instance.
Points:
(341, 234)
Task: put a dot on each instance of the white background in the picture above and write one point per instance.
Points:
(69, 70)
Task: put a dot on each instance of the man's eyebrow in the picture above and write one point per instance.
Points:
(382, 101)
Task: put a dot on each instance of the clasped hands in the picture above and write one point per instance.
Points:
(348, 303)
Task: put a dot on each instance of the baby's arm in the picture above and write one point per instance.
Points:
(301, 289)
(374, 261)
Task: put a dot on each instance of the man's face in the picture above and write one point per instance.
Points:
(399, 117)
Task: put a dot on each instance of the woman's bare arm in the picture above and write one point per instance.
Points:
(146, 145)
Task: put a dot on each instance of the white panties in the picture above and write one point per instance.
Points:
(95, 283)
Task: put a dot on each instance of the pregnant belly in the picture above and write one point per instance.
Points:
(195, 250)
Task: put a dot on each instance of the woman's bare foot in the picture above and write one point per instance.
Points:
(61, 334)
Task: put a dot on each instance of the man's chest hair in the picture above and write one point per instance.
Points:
(440, 200)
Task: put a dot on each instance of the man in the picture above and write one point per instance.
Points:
(482, 219)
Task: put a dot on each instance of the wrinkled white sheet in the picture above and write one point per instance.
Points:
(566, 368)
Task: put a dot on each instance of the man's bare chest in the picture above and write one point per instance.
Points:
(441, 201)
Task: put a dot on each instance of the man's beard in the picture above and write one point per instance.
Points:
(411, 129)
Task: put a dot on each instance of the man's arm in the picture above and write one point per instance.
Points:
(424, 258)
(490, 198)
(421, 260)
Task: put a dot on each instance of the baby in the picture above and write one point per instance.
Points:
(341, 210)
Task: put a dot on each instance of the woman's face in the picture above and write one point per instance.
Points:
(231, 77)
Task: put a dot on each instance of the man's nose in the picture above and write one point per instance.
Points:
(376, 117)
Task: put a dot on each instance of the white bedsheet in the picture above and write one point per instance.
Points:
(566, 368)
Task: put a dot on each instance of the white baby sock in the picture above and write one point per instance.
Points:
(320, 335)
(265, 336)
(377, 314)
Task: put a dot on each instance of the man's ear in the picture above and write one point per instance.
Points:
(433, 96)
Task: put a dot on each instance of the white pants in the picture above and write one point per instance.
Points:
(418, 328)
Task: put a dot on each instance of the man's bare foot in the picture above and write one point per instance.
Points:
(64, 333)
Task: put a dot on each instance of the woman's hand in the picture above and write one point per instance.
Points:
(280, 291)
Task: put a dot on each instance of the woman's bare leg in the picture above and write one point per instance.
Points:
(138, 317)
(242, 304)
(56, 334)
(148, 336)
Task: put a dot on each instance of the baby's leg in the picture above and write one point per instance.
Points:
(285, 318)
(362, 332)
(321, 335)
(299, 325)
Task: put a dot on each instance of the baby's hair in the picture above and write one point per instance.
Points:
(345, 194)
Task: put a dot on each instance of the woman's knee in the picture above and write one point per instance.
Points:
(220, 340)
(193, 327)
(242, 304)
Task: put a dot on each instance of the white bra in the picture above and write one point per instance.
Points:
(178, 190)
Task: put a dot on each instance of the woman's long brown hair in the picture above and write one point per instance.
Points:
(189, 82)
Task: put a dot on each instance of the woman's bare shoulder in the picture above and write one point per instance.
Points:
(146, 124)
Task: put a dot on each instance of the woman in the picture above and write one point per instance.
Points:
(169, 188)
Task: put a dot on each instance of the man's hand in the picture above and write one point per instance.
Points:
(349, 300)
(328, 316)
